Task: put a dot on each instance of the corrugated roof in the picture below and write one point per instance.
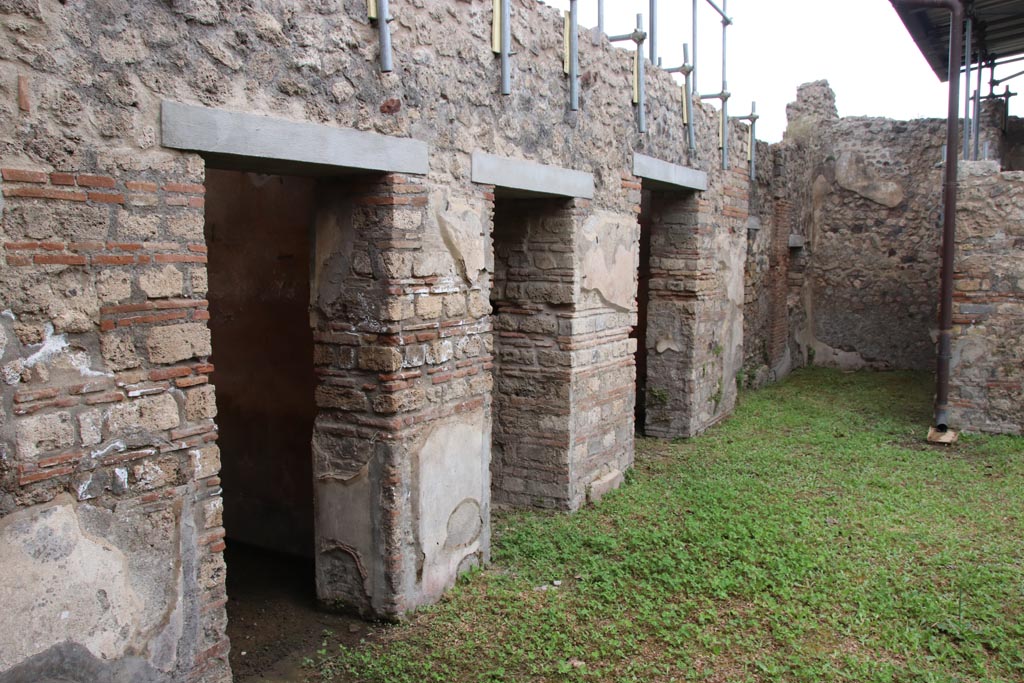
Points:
(998, 31)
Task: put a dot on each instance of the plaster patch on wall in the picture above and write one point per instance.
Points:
(854, 174)
(608, 259)
(91, 600)
(462, 230)
(453, 466)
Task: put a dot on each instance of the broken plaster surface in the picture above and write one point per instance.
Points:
(103, 593)
(463, 232)
(609, 257)
(454, 465)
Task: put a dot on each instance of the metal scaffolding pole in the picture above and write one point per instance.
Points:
(637, 36)
(384, 35)
(574, 56)
(977, 115)
(693, 67)
(687, 70)
(654, 32)
(600, 16)
(506, 47)
(967, 89)
(725, 87)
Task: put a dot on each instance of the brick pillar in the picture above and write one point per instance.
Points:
(401, 439)
(695, 314)
(533, 293)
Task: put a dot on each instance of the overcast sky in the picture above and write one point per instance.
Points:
(860, 47)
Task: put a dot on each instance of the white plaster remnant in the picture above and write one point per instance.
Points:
(609, 252)
(52, 345)
(92, 601)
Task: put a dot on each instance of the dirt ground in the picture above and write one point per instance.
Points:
(273, 617)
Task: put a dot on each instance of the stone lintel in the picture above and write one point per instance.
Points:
(668, 176)
(528, 178)
(233, 135)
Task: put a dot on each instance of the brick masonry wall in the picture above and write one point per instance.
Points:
(106, 324)
(987, 373)
(695, 315)
(111, 443)
(532, 294)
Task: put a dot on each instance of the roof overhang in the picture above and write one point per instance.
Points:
(998, 31)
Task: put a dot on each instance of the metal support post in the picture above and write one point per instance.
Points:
(506, 47)
(967, 89)
(687, 70)
(384, 35)
(693, 67)
(977, 115)
(654, 32)
(637, 36)
(600, 16)
(641, 104)
(574, 56)
(752, 117)
(725, 88)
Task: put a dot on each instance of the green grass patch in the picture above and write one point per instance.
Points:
(813, 536)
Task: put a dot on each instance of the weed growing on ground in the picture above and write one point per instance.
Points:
(814, 536)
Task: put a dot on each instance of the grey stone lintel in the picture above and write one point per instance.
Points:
(665, 175)
(528, 178)
(237, 139)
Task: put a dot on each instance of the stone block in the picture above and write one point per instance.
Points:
(118, 350)
(137, 227)
(399, 401)
(188, 226)
(90, 427)
(205, 461)
(40, 434)
(199, 281)
(380, 358)
(161, 283)
(113, 286)
(428, 307)
(341, 398)
(149, 413)
(200, 403)
(173, 343)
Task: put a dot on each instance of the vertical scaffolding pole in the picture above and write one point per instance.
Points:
(753, 141)
(693, 67)
(691, 137)
(725, 90)
(641, 105)
(639, 90)
(384, 35)
(967, 89)
(600, 16)
(506, 47)
(574, 56)
(654, 32)
(977, 115)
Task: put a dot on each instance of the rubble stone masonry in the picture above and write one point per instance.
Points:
(111, 511)
(987, 370)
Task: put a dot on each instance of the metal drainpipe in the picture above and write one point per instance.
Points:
(949, 188)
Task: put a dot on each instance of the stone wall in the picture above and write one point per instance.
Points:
(986, 373)
(109, 427)
(864, 194)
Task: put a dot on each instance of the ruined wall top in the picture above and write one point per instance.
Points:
(815, 102)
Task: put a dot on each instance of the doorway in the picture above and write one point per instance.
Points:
(258, 238)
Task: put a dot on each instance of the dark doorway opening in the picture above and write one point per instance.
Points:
(258, 235)
(643, 298)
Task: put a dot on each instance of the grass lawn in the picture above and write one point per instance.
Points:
(814, 536)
